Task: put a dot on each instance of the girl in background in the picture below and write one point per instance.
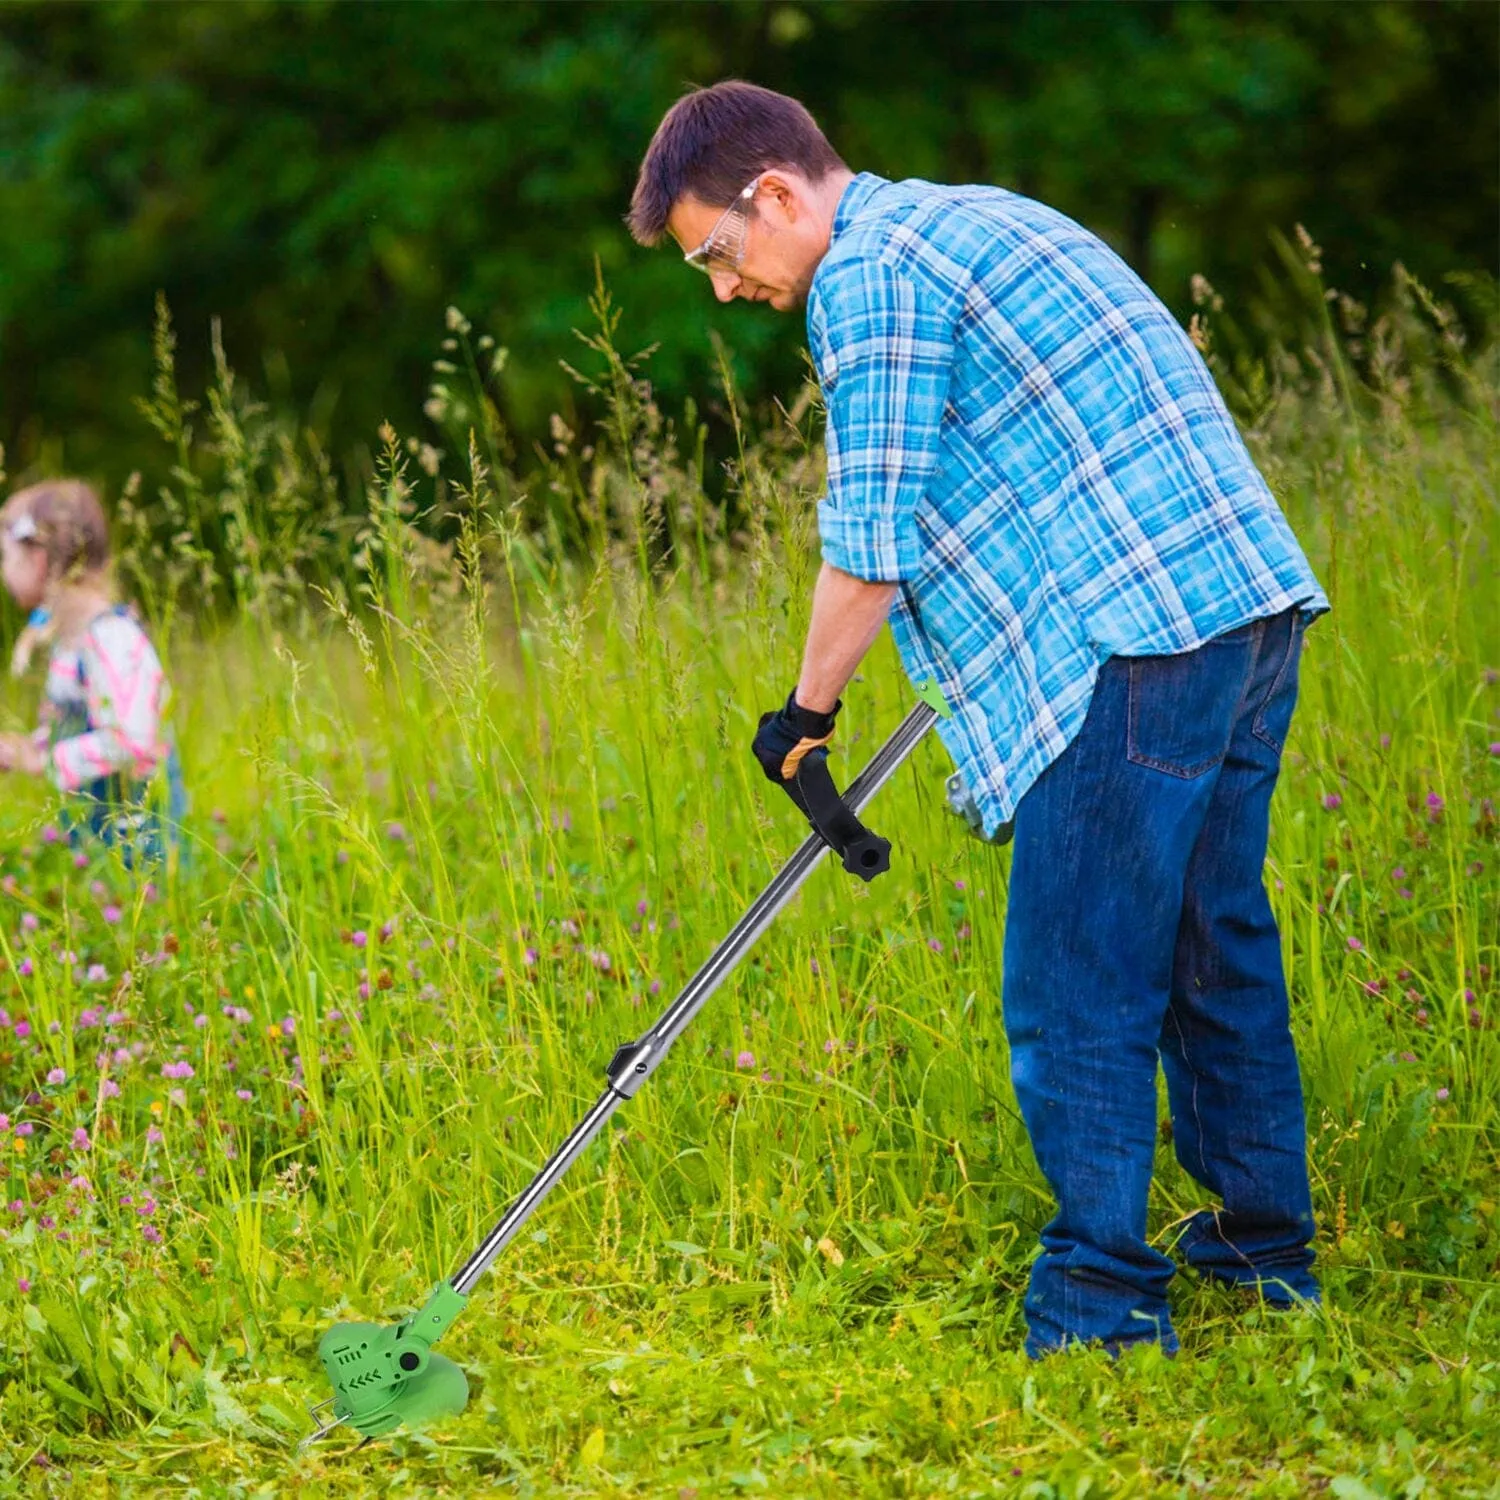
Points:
(102, 740)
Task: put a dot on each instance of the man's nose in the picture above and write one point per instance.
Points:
(726, 285)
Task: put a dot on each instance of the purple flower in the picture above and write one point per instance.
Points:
(244, 1094)
(109, 1089)
(97, 974)
(80, 860)
(935, 945)
(600, 959)
(153, 1136)
(23, 1285)
(1495, 747)
(364, 990)
(29, 922)
(81, 1139)
(1442, 1094)
(831, 1045)
(815, 968)
(177, 1096)
(51, 834)
(4, 1123)
(25, 1127)
(642, 907)
(396, 831)
(25, 969)
(387, 930)
(57, 1075)
(112, 914)
(655, 987)
(1434, 807)
(1355, 946)
(180, 1069)
(288, 1025)
(359, 937)
(745, 1060)
(152, 1233)
(1408, 1057)
(1332, 800)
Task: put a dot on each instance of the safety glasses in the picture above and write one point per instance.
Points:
(724, 248)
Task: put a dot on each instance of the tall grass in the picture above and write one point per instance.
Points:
(472, 798)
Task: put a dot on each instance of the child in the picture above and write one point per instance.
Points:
(102, 736)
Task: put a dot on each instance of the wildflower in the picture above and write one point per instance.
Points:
(1434, 807)
(364, 990)
(89, 1018)
(1355, 946)
(57, 1075)
(4, 1123)
(25, 1127)
(23, 1285)
(81, 1139)
(150, 890)
(1421, 1017)
(359, 937)
(112, 914)
(831, 1045)
(1332, 801)
(152, 1233)
(29, 921)
(962, 933)
(600, 959)
(341, 857)
(154, 1136)
(244, 1095)
(1495, 747)
(51, 834)
(121, 1057)
(179, 1069)
(25, 969)
(1408, 1057)
(745, 1060)
(815, 968)
(935, 945)
(109, 1089)
(1442, 1094)
(387, 931)
(79, 1183)
(396, 831)
(642, 907)
(177, 1096)
(80, 860)
(97, 974)
(655, 987)
(1399, 873)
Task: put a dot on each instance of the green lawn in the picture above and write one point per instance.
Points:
(795, 1264)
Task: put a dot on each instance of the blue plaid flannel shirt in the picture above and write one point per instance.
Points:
(1021, 435)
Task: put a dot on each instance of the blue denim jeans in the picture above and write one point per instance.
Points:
(1139, 928)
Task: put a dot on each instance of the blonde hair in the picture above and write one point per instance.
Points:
(65, 518)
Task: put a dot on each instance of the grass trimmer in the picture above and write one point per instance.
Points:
(386, 1377)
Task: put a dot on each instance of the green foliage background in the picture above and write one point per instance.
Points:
(328, 176)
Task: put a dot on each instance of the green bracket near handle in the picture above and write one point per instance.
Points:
(932, 695)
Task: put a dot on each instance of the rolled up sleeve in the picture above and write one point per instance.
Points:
(885, 358)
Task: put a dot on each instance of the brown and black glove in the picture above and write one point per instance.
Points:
(786, 735)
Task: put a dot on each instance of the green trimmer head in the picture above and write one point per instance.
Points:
(388, 1377)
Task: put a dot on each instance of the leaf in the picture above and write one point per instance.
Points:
(593, 1449)
(685, 1247)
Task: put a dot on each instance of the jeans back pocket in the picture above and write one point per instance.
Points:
(1182, 708)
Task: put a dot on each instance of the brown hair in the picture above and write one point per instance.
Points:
(69, 521)
(714, 141)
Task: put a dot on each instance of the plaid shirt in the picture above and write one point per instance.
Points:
(1023, 437)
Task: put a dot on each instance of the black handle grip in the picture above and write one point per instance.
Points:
(864, 853)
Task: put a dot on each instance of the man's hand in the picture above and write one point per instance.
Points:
(785, 735)
(18, 752)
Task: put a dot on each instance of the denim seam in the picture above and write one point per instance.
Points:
(1293, 647)
(1198, 769)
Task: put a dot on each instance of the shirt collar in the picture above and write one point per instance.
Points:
(853, 199)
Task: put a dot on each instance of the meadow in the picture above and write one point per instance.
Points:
(472, 797)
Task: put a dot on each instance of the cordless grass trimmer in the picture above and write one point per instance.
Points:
(385, 1377)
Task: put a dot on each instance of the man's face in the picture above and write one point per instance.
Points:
(784, 241)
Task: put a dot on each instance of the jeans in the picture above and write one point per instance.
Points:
(1139, 928)
(142, 823)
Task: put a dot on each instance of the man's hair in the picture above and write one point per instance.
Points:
(714, 141)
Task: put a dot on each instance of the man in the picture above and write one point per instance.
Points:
(1031, 473)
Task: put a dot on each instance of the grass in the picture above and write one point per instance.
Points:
(467, 825)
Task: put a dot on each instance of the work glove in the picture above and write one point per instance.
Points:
(961, 802)
(787, 734)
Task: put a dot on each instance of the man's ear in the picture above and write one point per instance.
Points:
(785, 190)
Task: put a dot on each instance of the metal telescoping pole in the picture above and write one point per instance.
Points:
(636, 1061)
